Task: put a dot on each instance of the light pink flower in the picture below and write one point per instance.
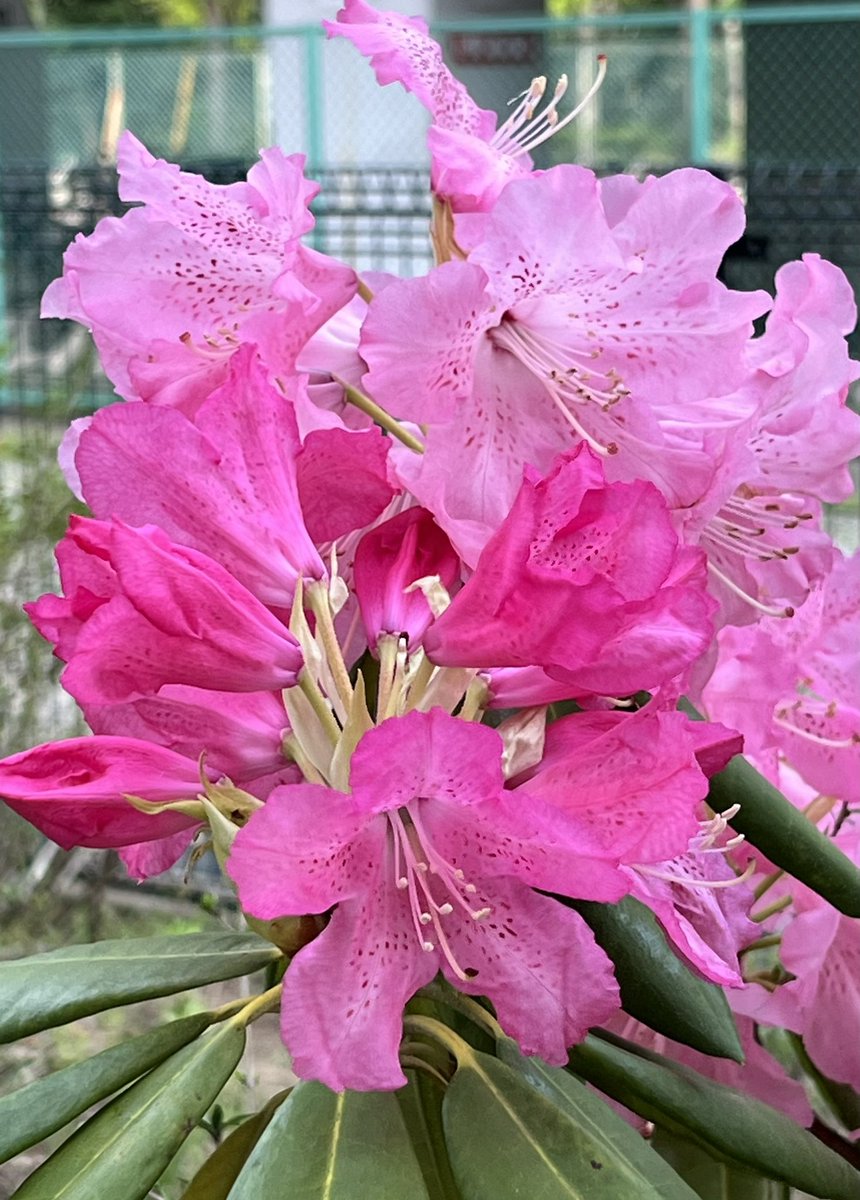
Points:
(585, 580)
(793, 685)
(763, 536)
(171, 289)
(430, 865)
(471, 159)
(557, 331)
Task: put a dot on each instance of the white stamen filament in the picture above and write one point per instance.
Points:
(768, 609)
(564, 391)
(416, 865)
(817, 738)
(524, 131)
(669, 877)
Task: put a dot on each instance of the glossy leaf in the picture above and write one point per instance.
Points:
(220, 1171)
(421, 1106)
(323, 1145)
(590, 1113)
(773, 825)
(657, 988)
(122, 1150)
(724, 1122)
(714, 1180)
(50, 989)
(39, 1109)
(505, 1138)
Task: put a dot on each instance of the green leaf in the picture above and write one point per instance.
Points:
(835, 1103)
(39, 1109)
(657, 987)
(592, 1114)
(50, 989)
(122, 1150)
(323, 1145)
(421, 1105)
(220, 1171)
(714, 1180)
(773, 825)
(505, 1138)
(724, 1122)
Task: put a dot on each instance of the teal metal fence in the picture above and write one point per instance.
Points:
(768, 95)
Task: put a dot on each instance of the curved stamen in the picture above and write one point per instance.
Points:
(523, 131)
(768, 609)
(417, 866)
(669, 877)
(817, 738)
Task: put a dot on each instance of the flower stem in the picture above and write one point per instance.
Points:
(777, 906)
(362, 401)
(258, 1006)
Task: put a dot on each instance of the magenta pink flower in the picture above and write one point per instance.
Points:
(430, 865)
(167, 614)
(240, 733)
(585, 580)
(388, 560)
(610, 773)
(236, 483)
(171, 289)
(226, 486)
(74, 791)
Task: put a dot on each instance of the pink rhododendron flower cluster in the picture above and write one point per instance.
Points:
(394, 585)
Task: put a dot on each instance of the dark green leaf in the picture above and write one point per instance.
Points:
(714, 1180)
(836, 1103)
(421, 1104)
(121, 1151)
(724, 1122)
(593, 1115)
(42, 1107)
(63, 985)
(657, 988)
(505, 1138)
(773, 825)
(322, 1145)
(220, 1171)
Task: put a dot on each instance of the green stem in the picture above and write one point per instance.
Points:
(362, 401)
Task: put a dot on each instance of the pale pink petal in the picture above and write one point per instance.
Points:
(401, 50)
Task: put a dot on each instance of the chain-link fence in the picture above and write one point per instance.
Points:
(766, 96)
